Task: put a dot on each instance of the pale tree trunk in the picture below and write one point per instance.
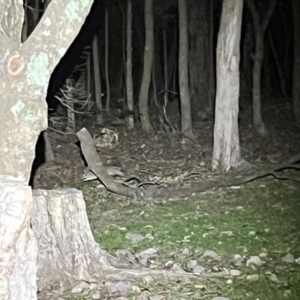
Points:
(129, 84)
(148, 60)
(25, 72)
(296, 64)
(226, 149)
(186, 118)
(260, 26)
(106, 62)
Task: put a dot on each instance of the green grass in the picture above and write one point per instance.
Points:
(247, 221)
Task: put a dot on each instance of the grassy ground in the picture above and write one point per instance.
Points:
(261, 218)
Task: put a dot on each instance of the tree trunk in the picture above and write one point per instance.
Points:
(148, 60)
(260, 26)
(25, 72)
(296, 70)
(246, 69)
(280, 73)
(186, 118)
(212, 79)
(166, 75)
(67, 249)
(226, 150)
(173, 63)
(97, 78)
(199, 56)
(18, 247)
(129, 85)
(256, 89)
(106, 62)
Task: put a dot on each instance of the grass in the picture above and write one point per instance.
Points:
(258, 217)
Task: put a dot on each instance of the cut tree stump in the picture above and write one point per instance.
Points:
(18, 247)
(67, 249)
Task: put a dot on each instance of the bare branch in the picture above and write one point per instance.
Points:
(269, 14)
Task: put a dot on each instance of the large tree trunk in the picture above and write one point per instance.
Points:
(186, 119)
(260, 26)
(25, 72)
(18, 247)
(148, 60)
(226, 151)
(67, 249)
(296, 70)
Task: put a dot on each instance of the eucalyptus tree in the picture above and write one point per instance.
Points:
(25, 72)
(226, 148)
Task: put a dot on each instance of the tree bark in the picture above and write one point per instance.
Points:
(106, 62)
(67, 249)
(25, 72)
(186, 118)
(226, 149)
(166, 74)
(199, 56)
(97, 78)
(18, 247)
(148, 60)
(296, 70)
(260, 26)
(212, 79)
(129, 84)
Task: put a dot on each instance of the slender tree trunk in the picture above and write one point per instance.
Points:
(296, 70)
(148, 60)
(280, 73)
(260, 26)
(246, 69)
(186, 118)
(212, 85)
(166, 75)
(226, 150)
(106, 62)
(256, 90)
(266, 80)
(97, 76)
(173, 63)
(36, 13)
(129, 84)
(199, 56)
